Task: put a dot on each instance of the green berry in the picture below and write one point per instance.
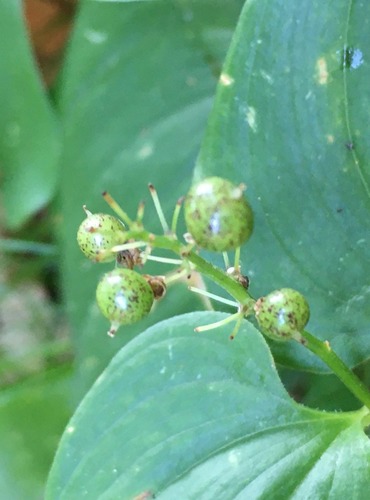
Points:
(217, 215)
(282, 313)
(124, 297)
(97, 234)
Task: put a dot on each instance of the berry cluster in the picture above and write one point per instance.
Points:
(218, 218)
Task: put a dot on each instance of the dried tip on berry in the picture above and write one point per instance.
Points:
(282, 314)
(113, 329)
(129, 258)
(157, 284)
(124, 297)
(98, 234)
(180, 201)
(87, 212)
(217, 215)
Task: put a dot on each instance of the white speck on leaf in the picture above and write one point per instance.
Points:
(322, 74)
(330, 138)
(145, 151)
(226, 79)
(233, 457)
(95, 37)
(357, 59)
(267, 77)
(70, 429)
(251, 118)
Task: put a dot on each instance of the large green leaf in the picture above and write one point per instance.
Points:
(134, 96)
(291, 120)
(188, 415)
(29, 139)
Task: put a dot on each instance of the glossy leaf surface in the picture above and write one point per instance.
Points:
(189, 415)
(290, 120)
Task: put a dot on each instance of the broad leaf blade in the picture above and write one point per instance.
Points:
(29, 136)
(186, 415)
(290, 120)
(135, 92)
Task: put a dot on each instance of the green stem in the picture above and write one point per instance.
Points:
(349, 379)
(241, 295)
(234, 288)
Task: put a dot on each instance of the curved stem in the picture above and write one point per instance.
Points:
(234, 288)
(241, 295)
(326, 354)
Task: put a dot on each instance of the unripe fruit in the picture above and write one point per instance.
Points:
(124, 297)
(97, 234)
(217, 215)
(282, 313)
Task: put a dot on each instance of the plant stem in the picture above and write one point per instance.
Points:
(330, 358)
(241, 295)
(229, 284)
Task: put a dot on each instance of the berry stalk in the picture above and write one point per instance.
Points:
(229, 284)
(242, 296)
(324, 351)
(218, 218)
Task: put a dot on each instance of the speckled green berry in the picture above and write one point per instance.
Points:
(124, 297)
(217, 215)
(97, 234)
(282, 313)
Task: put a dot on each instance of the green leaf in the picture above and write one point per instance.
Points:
(29, 138)
(290, 120)
(134, 96)
(32, 417)
(188, 415)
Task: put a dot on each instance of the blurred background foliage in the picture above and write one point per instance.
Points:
(61, 144)
(35, 350)
(49, 354)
